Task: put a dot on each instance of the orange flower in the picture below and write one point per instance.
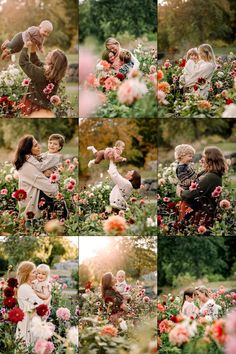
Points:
(163, 86)
(109, 330)
(160, 75)
(111, 83)
(204, 104)
(105, 64)
(115, 224)
(160, 307)
(91, 81)
(218, 331)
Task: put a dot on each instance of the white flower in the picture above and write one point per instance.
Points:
(230, 111)
(41, 329)
(123, 326)
(220, 74)
(9, 82)
(150, 222)
(73, 335)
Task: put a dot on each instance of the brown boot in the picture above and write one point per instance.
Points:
(6, 54)
(4, 45)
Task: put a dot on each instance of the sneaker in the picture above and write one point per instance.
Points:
(91, 163)
(4, 45)
(6, 54)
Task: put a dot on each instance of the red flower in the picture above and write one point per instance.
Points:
(12, 282)
(201, 80)
(120, 76)
(108, 299)
(8, 292)
(9, 302)
(159, 220)
(195, 87)
(19, 194)
(174, 319)
(30, 214)
(88, 285)
(4, 101)
(42, 310)
(182, 63)
(171, 205)
(229, 101)
(15, 315)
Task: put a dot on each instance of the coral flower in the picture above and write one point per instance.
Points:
(204, 104)
(55, 100)
(115, 224)
(178, 336)
(109, 330)
(165, 326)
(163, 86)
(111, 83)
(225, 204)
(202, 229)
(160, 75)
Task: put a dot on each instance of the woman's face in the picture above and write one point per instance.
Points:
(36, 149)
(203, 161)
(49, 56)
(129, 175)
(113, 48)
(201, 296)
(32, 275)
(113, 280)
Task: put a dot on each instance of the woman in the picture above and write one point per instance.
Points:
(113, 45)
(123, 187)
(200, 199)
(110, 295)
(205, 69)
(45, 79)
(27, 300)
(208, 306)
(31, 178)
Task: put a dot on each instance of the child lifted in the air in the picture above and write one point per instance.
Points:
(113, 153)
(34, 34)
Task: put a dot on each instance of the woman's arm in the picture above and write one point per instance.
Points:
(115, 176)
(135, 61)
(203, 187)
(49, 162)
(35, 60)
(204, 70)
(30, 69)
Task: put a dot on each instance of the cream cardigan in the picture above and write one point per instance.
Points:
(32, 181)
(122, 189)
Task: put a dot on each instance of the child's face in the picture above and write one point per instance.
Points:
(53, 146)
(111, 57)
(187, 158)
(120, 277)
(41, 275)
(189, 298)
(45, 32)
(194, 57)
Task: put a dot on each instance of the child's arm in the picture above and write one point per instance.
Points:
(42, 295)
(30, 69)
(47, 163)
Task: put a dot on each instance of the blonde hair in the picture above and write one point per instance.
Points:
(119, 143)
(120, 272)
(192, 51)
(45, 268)
(202, 289)
(47, 25)
(110, 41)
(182, 150)
(23, 271)
(55, 68)
(206, 52)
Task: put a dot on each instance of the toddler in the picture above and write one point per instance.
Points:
(41, 285)
(108, 153)
(188, 308)
(191, 64)
(35, 34)
(184, 171)
(48, 162)
(126, 62)
(108, 56)
(121, 285)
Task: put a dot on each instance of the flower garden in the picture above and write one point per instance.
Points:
(113, 95)
(168, 212)
(131, 332)
(221, 102)
(177, 334)
(96, 217)
(13, 86)
(54, 329)
(12, 221)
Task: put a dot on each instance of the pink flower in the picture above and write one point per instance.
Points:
(131, 90)
(55, 100)
(202, 229)
(43, 346)
(50, 87)
(91, 81)
(8, 178)
(111, 83)
(64, 286)
(67, 161)
(152, 69)
(231, 322)
(70, 187)
(71, 167)
(46, 91)
(55, 277)
(178, 336)
(25, 82)
(54, 177)
(225, 204)
(63, 313)
(73, 181)
(146, 299)
(193, 186)
(166, 199)
(215, 194)
(4, 191)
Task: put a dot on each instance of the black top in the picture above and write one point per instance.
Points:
(34, 69)
(111, 295)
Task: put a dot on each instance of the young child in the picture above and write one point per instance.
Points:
(108, 56)
(41, 285)
(126, 62)
(188, 308)
(108, 153)
(35, 34)
(121, 284)
(184, 171)
(48, 161)
(191, 64)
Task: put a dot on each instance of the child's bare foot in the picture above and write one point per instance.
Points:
(4, 45)
(91, 163)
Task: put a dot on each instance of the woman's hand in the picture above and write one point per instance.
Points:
(30, 46)
(179, 190)
(48, 173)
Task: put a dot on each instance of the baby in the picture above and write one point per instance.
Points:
(185, 173)
(48, 162)
(125, 61)
(121, 284)
(41, 285)
(108, 154)
(191, 64)
(35, 35)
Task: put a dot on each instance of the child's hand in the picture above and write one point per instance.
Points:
(47, 173)
(28, 44)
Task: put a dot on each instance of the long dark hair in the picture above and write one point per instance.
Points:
(106, 282)
(135, 180)
(188, 292)
(24, 148)
(215, 161)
